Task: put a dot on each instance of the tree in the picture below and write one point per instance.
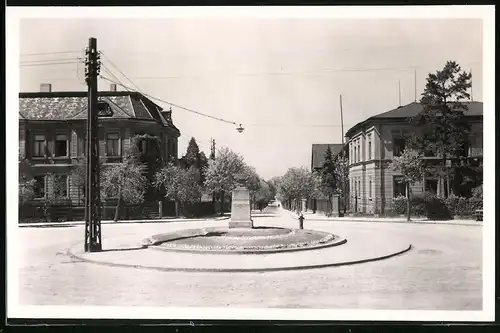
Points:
(409, 164)
(221, 173)
(125, 181)
(342, 175)
(251, 182)
(195, 158)
(192, 157)
(179, 185)
(441, 129)
(145, 149)
(328, 176)
(297, 184)
(79, 173)
(26, 182)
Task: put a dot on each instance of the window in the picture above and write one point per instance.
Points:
(60, 186)
(355, 154)
(431, 185)
(39, 145)
(359, 150)
(61, 145)
(398, 145)
(369, 147)
(399, 186)
(39, 186)
(370, 189)
(112, 140)
(359, 189)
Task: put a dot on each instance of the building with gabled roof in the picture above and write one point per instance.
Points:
(52, 132)
(374, 142)
(318, 153)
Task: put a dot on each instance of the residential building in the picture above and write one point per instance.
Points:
(52, 133)
(318, 153)
(374, 142)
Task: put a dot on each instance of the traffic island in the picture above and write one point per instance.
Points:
(357, 250)
(260, 240)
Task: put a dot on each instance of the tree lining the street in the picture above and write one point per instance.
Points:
(222, 172)
(411, 167)
(297, 184)
(441, 128)
(125, 181)
(179, 184)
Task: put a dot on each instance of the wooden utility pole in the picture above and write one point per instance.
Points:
(92, 198)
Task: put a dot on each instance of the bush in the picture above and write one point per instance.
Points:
(436, 208)
(477, 192)
(418, 205)
(399, 205)
(464, 206)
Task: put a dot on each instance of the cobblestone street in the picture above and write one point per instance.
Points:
(443, 271)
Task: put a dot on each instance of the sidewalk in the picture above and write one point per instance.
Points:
(310, 216)
(163, 220)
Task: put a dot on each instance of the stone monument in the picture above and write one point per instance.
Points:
(240, 207)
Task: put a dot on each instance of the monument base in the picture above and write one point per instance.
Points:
(240, 209)
(241, 224)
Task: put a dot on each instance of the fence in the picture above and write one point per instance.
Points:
(33, 212)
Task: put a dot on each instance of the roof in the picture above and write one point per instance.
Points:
(74, 106)
(412, 109)
(319, 150)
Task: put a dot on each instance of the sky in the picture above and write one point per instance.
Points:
(280, 78)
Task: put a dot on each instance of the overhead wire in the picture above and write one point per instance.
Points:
(47, 53)
(172, 104)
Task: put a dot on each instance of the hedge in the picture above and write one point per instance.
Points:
(437, 208)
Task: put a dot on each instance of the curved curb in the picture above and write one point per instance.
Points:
(247, 270)
(339, 241)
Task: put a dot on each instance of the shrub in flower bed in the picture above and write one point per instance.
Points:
(399, 205)
(436, 208)
(463, 206)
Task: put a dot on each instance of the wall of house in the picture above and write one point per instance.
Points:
(76, 132)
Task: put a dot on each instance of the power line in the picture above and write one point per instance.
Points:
(49, 64)
(47, 53)
(291, 125)
(172, 104)
(121, 72)
(49, 60)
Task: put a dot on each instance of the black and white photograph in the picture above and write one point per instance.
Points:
(251, 163)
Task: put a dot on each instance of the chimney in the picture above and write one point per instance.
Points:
(112, 87)
(45, 87)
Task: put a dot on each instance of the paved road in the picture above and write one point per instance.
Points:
(442, 272)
